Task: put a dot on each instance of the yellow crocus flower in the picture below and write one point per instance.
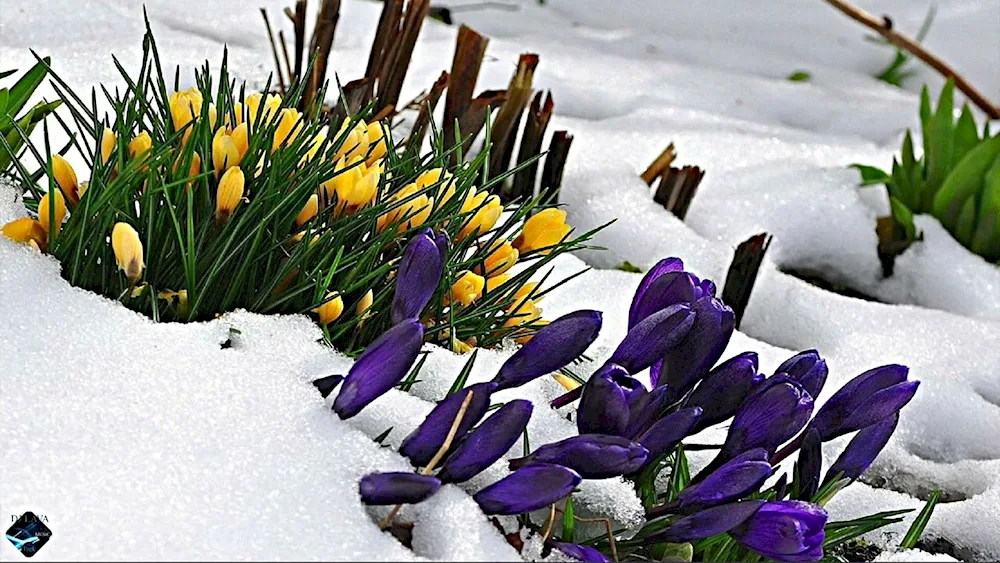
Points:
(128, 250)
(543, 230)
(229, 193)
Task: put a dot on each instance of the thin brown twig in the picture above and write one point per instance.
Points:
(274, 50)
(550, 522)
(884, 28)
(438, 456)
(284, 52)
(607, 527)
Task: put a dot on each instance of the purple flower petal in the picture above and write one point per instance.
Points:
(593, 456)
(735, 479)
(863, 448)
(769, 417)
(667, 432)
(665, 266)
(552, 348)
(810, 465)
(380, 489)
(667, 290)
(808, 369)
(384, 364)
(418, 276)
(708, 522)
(832, 417)
(583, 553)
(653, 337)
(487, 443)
(527, 489)
(699, 350)
(645, 413)
(421, 445)
(784, 531)
(604, 405)
(725, 388)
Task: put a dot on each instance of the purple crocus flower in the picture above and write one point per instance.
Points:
(421, 445)
(808, 369)
(383, 365)
(604, 407)
(669, 289)
(487, 443)
(863, 448)
(653, 337)
(418, 276)
(550, 349)
(380, 489)
(724, 389)
(527, 489)
(810, 465)
(867, 399)
(699, 350)
(326, 385)
(736, 478)
(667, 432)
(661, 268)
(786, 530)
(707, 523)
(593, 456)
(579, 552)
(648, 411)
(774, 413)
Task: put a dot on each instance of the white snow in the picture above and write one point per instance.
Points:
(156, 432)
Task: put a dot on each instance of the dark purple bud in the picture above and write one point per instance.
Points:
(418, 276)
(647, 411)
(707, 523)
(666, 433)
(707, 287)
(663, 267)
(769, 417)
(809, 466)
(581, 552)
(863, 448)
(488, 443)
(736, 478)
(787, 530)
(327, 384)
(380, 489)
(441, 241)
(593, 456)
(527, 489)
(669, 289)
(808, 369)
(724, 389)
(604, 405)
(653, 337)
(699, 350)
(552, 348)
(421, 445)
(781, 487)
(383, 365)
(866, 400)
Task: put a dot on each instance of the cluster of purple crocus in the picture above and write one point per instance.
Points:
(678, 331)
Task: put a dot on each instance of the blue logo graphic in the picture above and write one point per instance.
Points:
(29, 534)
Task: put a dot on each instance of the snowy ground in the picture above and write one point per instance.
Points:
(184, 450)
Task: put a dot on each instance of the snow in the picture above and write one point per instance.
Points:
(159, 431)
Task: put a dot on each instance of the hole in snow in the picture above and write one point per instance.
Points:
(818, 279)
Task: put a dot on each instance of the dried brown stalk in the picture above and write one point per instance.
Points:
(472, 121)
(677, 188)
(274, 50)
(884, 28)
(531, 146)
(355, 95)
(427, 104)
(322, 43)
(299, 25)
(607, 527)
(743, 273)
(470, 48)
(284, 53)
(661, 163)
(505, 125)
(892, 241)
(402, 52)
(555, 161)
(385, 35)
(440, 453)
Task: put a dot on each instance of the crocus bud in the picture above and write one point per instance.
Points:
(593, 456)
(377, 141)
(383, 365)
(810, 465)
(661, 268)
(604, 407)
(185, 106)
(355, 141)
(309, 210)
(128, 250)
(808, 369)
(412, 213)
(467, 288)
(421, 445)
(863, 448)
(645, 409)
(256, 111)
(140, 145)
(229, 194)
(326, 385)
(365, 304)
(654, 337)
(669, 289)
(331, 309)
(500, 259)
(381, 489)
(225, 154)
(487, 443)
(485, 210)
(735, 479)
(58, 211)
(769, 417)
(66, 178)
(26, 231)
(581, 552)
(784, 531)
(701, 348)
(723, 390)
(418, 277)
(527, 489)
(542, 231)
(707, 523)
(108, 142)
(289, 126)
(552, 348)
(867, 399)
(667, 432)
(525, 313)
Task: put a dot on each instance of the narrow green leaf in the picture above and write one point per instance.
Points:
(986, 241)
(463, 376)
(25, 86)
(939, 143)
(964, 182)
(569, 521)
(920, 523)
(871, 175)
(800, 76)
